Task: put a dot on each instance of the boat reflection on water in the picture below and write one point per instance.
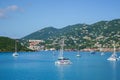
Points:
(113, 70)
(62, 69)
(60, 72)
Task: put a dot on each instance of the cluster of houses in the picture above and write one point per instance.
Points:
(34, 45)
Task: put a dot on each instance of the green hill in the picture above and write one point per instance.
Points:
(84, 35)
(8, 45)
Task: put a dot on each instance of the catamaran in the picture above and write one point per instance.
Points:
(15, 54)
(62, 60)
(113, 57)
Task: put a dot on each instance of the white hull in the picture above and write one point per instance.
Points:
(112, 59)
(63, 62)
(102, 53)
(78, 55)
(15, 54)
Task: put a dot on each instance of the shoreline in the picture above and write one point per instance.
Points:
(84, 50)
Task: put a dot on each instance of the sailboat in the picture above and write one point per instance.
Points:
(62, 60)
(78, 54)
(102, 53)
(113, 57)
(15, 54)
(92, 51)
(101, 50)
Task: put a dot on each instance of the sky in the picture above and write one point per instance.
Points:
(19, 18)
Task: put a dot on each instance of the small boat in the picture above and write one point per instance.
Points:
(102, 53)
(113, 57)
(101, 50)
(92, 52)
(61, 60)
(15, 54)
(78, 54)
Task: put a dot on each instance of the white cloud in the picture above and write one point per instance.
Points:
(2, 13)
(13, 8)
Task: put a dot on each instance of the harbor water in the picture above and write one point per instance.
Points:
(41, 66)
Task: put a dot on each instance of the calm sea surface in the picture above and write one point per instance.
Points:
(40, 66)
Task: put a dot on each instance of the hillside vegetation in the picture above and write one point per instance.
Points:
(8, 45)
(102, 33)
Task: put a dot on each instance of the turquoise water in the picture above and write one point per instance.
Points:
(40, 66)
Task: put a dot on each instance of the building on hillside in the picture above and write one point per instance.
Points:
(35, 45)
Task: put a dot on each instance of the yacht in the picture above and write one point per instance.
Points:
(15, 54)
(113, 57)
(62, 60)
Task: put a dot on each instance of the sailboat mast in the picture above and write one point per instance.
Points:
(114, 49)
(15, 46)
(61, 50)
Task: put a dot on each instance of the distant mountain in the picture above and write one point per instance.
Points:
(8, 45)
(51, 32)
(103, 32)
(43, 33)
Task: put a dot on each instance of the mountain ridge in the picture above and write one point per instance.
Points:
(86, 35)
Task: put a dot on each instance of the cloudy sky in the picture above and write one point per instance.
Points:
(19, 18)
